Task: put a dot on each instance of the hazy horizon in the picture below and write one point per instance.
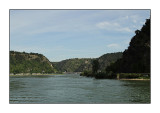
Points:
(65, 34)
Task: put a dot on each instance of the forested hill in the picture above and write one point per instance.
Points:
(106, 59)
(22, 62)
(136, 59)
(82, 64)
(73, 65)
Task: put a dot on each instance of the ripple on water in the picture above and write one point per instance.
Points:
(76, 89)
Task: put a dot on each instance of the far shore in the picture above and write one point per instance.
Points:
(23, 74)
(43, 74)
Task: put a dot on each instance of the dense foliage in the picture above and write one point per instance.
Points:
(136, 59)
(21, 62)
(107, 59)
(134, 63)
(95, 66)
(74, 65)
(85, 64)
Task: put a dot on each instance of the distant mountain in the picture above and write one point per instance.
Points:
(136, 59)
(106, 59)
(82, 64)
(21, 62)
(73, 65)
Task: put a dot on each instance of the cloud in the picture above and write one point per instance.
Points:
(60, 31)
(24, 22)
(113, 26)
(32, 22)
(114, 45)
(135, 18)
(107, 24)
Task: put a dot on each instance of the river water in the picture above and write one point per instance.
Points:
(75, 89)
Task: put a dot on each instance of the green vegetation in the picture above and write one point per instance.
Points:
(73, 65)
(87, 73)
(99, 75)
(107, 59)
(134, 75)
(135, 60)
(83, 64)
(21, 62)
(132, 63)
(95, 66)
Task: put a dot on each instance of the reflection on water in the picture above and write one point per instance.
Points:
(73, 88)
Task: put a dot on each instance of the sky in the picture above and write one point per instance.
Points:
(65, 34)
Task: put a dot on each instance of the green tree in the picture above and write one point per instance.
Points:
(95, 66)
(135, 59)
(27, 63)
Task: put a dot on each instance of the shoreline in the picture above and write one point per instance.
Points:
(134, 79)
(39, 74)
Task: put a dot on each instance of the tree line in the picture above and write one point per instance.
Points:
(21, 62)
(135, 59)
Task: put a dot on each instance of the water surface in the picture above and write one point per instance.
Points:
(75, 89)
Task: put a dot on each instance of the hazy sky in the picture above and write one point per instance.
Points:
(64, 34)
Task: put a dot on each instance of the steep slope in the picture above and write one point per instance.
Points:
(106, 59)
(136, 59)
(21, 62)
(82, 64)
(74, 65)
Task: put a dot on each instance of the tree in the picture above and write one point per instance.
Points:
(95, 66)
(135, 59)
(21, 62)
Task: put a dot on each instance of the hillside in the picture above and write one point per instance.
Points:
(74, 65)
(136, 59)
(106, 59)
(21, 62)
(82, 64)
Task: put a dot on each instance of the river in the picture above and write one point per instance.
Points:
(75, 89)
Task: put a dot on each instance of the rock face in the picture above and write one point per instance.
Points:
(21, 62)
(136, 59)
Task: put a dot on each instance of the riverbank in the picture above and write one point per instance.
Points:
(118, 76)
(135, 79)
(34, 74)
